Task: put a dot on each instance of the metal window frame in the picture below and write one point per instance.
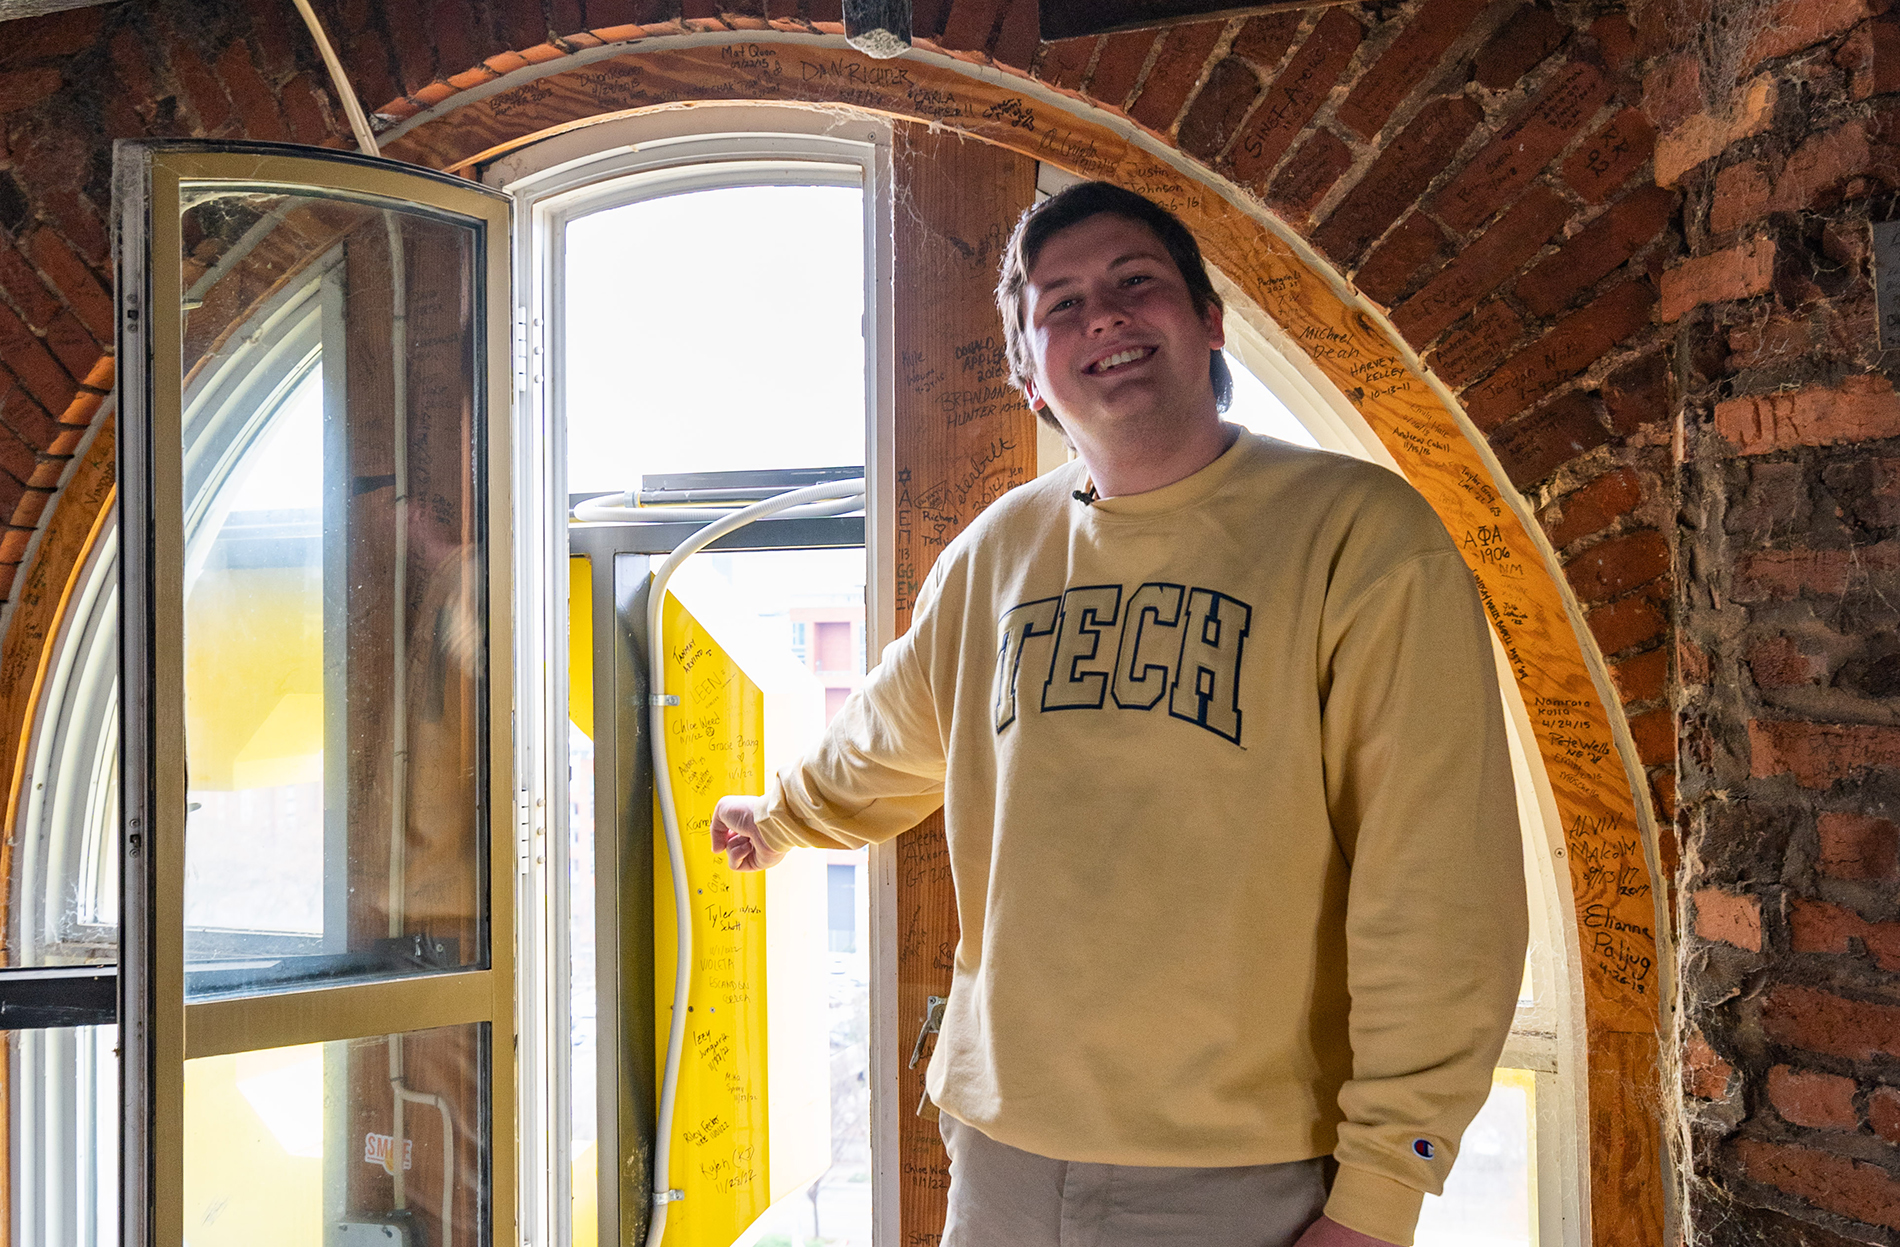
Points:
(574, 173)
(159, 1031)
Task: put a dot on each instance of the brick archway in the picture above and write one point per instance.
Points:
(1494, 224)
(1353, 342)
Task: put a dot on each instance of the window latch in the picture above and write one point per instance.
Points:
(933, 1022)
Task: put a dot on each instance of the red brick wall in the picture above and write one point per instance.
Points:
(1789, 686)
(1634, 242)
(1480, 166)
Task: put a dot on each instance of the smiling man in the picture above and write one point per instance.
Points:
(1216, 730)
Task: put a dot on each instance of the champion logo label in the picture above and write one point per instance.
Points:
(1424, 1148)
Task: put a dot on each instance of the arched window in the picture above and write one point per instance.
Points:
(63, 910)
(246, 423)
(750, 358)
(250, 426)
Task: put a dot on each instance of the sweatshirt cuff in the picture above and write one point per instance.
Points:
(1374, 1204)
(776, 825)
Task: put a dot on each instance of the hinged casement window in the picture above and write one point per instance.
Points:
(317, 985)
(342, 788)
(590, 900)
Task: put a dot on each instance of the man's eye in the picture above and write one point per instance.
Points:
(1135, 279)
(1063, 305)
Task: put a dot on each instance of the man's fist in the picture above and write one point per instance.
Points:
(735, 832)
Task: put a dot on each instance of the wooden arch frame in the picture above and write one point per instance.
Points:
(1595, 784)
(1595, 780)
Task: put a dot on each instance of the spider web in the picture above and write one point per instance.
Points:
(1725, 30)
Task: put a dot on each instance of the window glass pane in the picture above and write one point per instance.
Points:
(582, 994)
(753, 357)
(1258, 408)
(841, 908)
(64, 889)
(334, 593)
(1489, 1200)
(746, 356)
(379, 1141)
(62, 1143)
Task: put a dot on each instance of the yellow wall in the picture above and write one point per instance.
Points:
(254, 1149)
(254, 677)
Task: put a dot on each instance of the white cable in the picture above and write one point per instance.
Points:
(607, 511)
(448, 1155)
(366, 143)
(399, 658)
(844, 492)
(359, 124)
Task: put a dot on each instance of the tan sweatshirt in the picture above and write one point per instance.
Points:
(1230, 817)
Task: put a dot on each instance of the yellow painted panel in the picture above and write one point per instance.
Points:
(1525, 1081)
(585, 1230)
(279, 752)
(715, 745)
(254, 677)
(253, 1143)
(798, 1101)
(580, 643)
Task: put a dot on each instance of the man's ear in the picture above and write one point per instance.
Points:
(1034, 399)
(1215, 319)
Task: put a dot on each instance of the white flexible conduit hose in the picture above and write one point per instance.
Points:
(831, 498)
(359, 124)
(448, 1154)
(400, 1092)
(606, 510)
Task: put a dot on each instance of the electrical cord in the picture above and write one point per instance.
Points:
(602, 510)
(832, 498)
(839, 496)
(359, 124)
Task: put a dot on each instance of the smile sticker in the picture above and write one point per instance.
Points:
(379, 1149)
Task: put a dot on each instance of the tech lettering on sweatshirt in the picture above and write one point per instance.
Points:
(1172, 643)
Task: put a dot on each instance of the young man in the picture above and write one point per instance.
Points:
(1215, 727)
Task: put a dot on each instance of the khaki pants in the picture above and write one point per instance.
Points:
(1003, 1197)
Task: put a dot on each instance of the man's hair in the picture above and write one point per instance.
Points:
(1073, 206)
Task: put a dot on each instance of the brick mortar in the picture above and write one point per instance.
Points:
(1752, 824)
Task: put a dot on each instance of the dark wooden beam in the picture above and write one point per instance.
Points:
(957, 202)
(1070, 19)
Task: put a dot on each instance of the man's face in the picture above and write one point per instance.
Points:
(1112, 331)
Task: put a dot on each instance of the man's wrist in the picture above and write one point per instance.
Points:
(1375, 1205)
(765, 809)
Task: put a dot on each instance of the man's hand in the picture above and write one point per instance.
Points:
(735, 832)
(1327, 1232)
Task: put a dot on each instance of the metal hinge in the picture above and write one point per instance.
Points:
(521, 349)
(524, 832)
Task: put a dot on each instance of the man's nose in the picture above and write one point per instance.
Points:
(1107, 312)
